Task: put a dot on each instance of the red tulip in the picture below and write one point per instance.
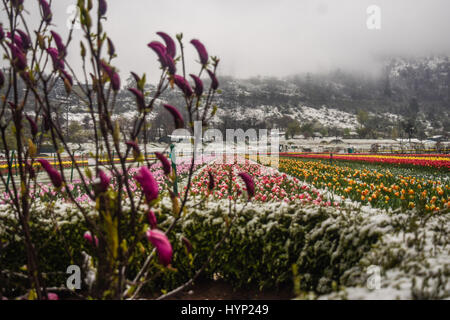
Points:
(160, 241)
(54, 175)
(202, 53)
(148, 184)
(177, 117)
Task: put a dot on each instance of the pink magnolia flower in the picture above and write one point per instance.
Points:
(198, 85)
(202, 53)
(46, 11)
(152, 219)
(183, 84)
(115, 81)
(170, 44)
(33, 126)
(59, 44)
(102, 7)
(54, 175)
(111, 48)
(170, 65)
(177, 117)
(88, 237)
(19, 58)
(26, 42)
(249, 183)
(160, 241)
(104, 180)
(160, 51)
(148, 184)
(167, 168)
(139, 98)
(58, 63)
(113, 76)
(214, 82)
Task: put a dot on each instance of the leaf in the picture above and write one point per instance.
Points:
(32, 148)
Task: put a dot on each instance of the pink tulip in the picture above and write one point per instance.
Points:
(52, 296)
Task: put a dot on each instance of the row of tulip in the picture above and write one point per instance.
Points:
(425, 160)
(379, 188)
(46, 191)
(221, 181)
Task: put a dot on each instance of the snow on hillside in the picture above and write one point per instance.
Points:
(328, 117)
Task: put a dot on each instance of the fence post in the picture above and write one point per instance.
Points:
(9, 176)
(71, 171)
(174, 167)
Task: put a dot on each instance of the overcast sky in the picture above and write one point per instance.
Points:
(271, 38)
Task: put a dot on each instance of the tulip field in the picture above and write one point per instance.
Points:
(331, 220)
(380, 188)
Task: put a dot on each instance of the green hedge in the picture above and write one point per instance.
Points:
(264, 243)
